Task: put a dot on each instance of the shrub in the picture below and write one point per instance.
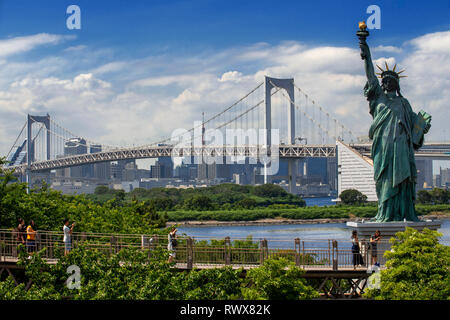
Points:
(416, 268)
(277, 279)
(352, 196)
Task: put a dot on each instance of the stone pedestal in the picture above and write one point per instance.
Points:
(388, 230)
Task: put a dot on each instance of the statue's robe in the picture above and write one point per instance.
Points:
(394, 165)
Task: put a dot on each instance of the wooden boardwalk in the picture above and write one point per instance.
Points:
(327, 261)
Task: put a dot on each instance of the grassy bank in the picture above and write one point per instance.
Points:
(327, 212)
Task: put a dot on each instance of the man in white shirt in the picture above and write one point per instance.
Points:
(171, 244)
(67, 236)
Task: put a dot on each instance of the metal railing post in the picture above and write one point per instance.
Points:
(304, 260)
(329, 252)
(190, 253)
(113, 243)
(263, 251)
(335, 255)
(297, 251)
(227, 248)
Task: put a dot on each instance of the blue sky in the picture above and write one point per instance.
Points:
(139, 27)
(145, 61)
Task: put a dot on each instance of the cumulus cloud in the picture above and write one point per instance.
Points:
(234, 76)
(163, 93)
(391, 49)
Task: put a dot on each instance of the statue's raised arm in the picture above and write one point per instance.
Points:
(365, 54)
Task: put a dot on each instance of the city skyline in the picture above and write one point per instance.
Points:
(145, 62)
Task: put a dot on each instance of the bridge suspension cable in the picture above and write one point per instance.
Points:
(17, 139)
(327, 114)
(311, 118)
(216, 116)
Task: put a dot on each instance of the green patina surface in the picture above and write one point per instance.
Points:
(396, 132)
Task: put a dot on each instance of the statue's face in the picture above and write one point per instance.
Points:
(389, 84)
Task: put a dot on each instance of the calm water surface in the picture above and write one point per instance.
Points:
(282, 236)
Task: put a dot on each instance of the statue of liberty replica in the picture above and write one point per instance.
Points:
(396, 132)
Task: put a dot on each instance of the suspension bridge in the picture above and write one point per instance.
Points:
(274, 120)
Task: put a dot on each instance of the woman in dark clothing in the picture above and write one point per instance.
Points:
(21, 231)
(357, 257)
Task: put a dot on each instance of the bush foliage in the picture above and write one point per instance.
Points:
(417, 268)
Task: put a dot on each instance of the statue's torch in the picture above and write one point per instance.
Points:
(362, 33)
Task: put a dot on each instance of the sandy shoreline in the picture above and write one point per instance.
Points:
(213, 223)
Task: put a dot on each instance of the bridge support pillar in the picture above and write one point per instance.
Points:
(288, 85)
(292, 174)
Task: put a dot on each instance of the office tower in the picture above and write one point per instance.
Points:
(445, 176)
(163, 168)
(102, 170)
(424, 174)
(118, 167)
(76, 146)
(332, 173)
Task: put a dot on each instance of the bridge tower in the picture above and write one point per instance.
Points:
(30, 144)
(288, 85)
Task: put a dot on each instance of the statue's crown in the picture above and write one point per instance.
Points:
(390, 73)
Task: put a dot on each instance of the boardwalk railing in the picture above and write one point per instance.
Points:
(199, 252)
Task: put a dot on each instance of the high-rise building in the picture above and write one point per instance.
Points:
(163, 168)
(437, 181)
(118, 167)
(76, 146)
(424, 174)
(332, 173)
(445, 176)
(102, 170)
(130, 172)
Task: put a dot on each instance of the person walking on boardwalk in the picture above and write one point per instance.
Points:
(31, 236)
(172, 243)
(357, 257)
(67, 236)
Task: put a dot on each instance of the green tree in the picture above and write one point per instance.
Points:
(352, 196)
(417, 268)
(213, 284)
(440, 196)
(269, 190)
(102, 190)
(246, 203)
(199, 202)
(277, 279)
(423, 196)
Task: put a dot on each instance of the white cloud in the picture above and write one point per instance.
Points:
(391, 49)
(139, 101)
(21, 44)
(234, 76)
(179, 79)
